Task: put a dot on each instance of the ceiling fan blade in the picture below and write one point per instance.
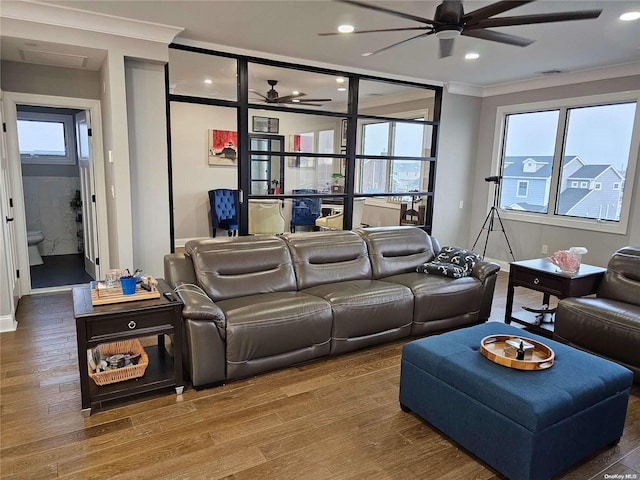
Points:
(389, 11)
(258, 93)
(398, 43)
(288, 98)
(303, 103)
(374, 31)
(305, 100)
(540, 18)
(483, 13)
(446, 47)
(498, 37)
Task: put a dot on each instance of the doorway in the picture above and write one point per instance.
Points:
(52, 190)
(60, 226)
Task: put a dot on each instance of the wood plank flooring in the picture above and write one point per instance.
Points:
(333, 419)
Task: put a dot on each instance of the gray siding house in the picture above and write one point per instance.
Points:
(586, 190)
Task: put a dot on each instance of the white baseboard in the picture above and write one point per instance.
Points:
(8, 323)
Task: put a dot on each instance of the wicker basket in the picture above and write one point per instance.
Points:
(124, 373)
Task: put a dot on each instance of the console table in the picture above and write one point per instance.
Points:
(96, 325)
(543, 276)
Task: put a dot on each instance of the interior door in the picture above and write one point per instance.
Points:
(87, 191)
(266, 168)
(8, 224)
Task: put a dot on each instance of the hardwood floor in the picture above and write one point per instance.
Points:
(332, 419)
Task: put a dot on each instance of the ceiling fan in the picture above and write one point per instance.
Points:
(272, 96)
(450, 21)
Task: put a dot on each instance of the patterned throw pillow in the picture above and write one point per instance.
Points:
(453, 262)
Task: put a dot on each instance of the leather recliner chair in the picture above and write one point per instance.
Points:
(608, 325)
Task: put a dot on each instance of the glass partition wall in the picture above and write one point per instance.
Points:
(308, 148)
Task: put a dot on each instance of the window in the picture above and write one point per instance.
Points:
(570, 159)
(46, 138)
(523, 188)
(393, 139)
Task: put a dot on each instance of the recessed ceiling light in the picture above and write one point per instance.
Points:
(346, 28)
(295, 92)
(342, 89)
(471, 56)
(340, 80)
(629, 16)
(208, 81)
(368, 54)
(295, 100)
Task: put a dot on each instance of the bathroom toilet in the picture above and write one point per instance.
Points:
(34, 238)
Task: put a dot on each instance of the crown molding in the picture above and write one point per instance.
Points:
(590, 75)
(458, 88)
(68, 17)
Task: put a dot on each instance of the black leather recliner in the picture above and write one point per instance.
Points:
(608, 325)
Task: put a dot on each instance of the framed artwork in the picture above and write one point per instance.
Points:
(266, 125)
(223, 148)
(343, 133)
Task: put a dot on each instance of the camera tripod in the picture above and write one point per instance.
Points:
(489, 221)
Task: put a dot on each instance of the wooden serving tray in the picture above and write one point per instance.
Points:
(492, 347)
(106, 296)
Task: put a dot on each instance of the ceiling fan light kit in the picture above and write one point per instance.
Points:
(450, 21)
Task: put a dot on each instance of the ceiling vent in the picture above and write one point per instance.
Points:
(53, 59)
(553, 71)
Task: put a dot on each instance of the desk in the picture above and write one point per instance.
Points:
(543, 276)
(109, 323)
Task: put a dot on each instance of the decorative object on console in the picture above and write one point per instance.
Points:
(568, 261)
(223, 147)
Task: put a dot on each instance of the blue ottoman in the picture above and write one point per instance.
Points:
(524, 424)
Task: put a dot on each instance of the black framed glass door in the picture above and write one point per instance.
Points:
(266, 169)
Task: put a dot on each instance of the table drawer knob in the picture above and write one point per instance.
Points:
(536, 281)
(132, 325)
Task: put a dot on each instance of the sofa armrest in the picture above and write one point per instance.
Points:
(199, 306)
(482, 270)
(486, 272)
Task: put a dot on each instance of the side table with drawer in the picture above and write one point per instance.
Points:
(97, 325)
(543, 276)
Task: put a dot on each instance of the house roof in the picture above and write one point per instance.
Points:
(590, 171)
(516, 165)
(529, 207)
(570, 197)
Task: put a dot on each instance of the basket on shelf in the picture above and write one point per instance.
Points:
(124, 373)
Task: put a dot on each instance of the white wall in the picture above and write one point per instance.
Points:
(527, 238)
(456, 167)
(148, 165)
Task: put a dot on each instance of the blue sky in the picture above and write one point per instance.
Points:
(599, 135)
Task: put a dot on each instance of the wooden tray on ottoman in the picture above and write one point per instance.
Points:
(124, 373)
(492, 347)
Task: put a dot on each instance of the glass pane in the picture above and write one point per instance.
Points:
(377, 175)
(388, 99)
(596, 154)
(287, 87)
(375, 138)
(408, 140)
(323, 175)
(529, 142)
(202, 75)
(394, 138)
(291, 124)
(390, 211)
(41, 138)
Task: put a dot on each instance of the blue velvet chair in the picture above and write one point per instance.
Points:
(224, 210)
(304, 211)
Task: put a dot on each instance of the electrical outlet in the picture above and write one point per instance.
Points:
(545, 248)
(461, 204)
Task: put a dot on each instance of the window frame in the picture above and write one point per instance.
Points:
(68, 124)
(551, 218)
(415, 115)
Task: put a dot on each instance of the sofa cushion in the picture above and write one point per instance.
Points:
(395, 250)
(328, 257)
(241, 266)
(269, 324)
(366, 307)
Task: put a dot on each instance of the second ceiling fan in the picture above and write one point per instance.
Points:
(273, 96)
(450, 21)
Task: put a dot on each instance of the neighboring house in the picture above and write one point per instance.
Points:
(588, 191)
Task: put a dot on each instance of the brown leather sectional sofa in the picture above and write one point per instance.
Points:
(608, 325)
(257, 303)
